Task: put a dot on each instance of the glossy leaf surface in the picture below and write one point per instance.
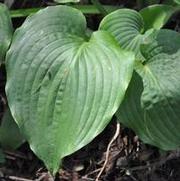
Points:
(62, 88)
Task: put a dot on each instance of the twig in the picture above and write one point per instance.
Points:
(108, 150)
(10, 157)
(41, 177)
(91, 173)
(46, 176)
(173, 155)
(15, 154)
(88, 179)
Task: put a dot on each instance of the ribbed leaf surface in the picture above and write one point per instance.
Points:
(5, 31)
(131, 28)
(63, 89)
(126, 25)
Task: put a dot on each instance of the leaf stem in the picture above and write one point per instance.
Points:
(86, 9)
(100, 7)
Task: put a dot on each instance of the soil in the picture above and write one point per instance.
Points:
(128, 158)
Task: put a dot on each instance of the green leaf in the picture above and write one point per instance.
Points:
(177, 1)
(156, 16)
(62, 88)
(160, 99)
(131, 28)
(130, 112)
(127, 26)
(66, 1)
(10, 136)
(5, 31)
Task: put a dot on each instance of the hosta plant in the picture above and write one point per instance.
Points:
(152, 102)
(64, 84)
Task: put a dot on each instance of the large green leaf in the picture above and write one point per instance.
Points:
(161, 96)
(156, 16)
(10, 136)
(160, 99)
(62, 88)
(5, 31)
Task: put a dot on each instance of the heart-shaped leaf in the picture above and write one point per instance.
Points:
(62, 87)
(5, 31)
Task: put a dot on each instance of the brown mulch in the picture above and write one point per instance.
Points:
(129, 160)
